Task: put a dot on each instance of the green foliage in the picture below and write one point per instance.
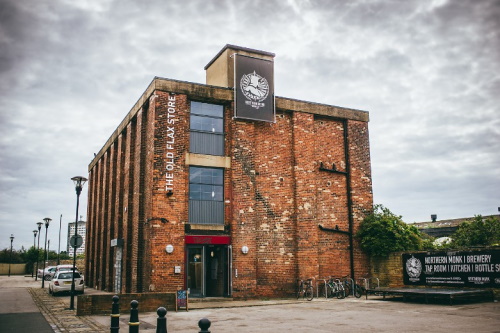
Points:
(64, 255)
(16, 257)
(477, 232)
(383, 232)
(427, 241)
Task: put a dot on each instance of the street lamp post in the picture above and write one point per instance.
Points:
(10, 260)
(39, 224)
(47, 222)
(59, 247)
(35, 232)
(79, 182)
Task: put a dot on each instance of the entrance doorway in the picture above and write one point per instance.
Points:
(208, 268)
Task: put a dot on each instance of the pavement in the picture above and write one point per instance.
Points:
(26, 307)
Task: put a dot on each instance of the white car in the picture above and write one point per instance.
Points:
(61, 282)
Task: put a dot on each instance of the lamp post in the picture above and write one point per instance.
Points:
(47, 222)
(59, 247)
(79, 181)
(35, 232)
(10, 260)
(39, 224)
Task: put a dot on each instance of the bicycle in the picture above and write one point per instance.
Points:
(334, 287)
(305, 288)
(357, 290)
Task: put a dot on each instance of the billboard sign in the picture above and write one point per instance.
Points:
(453, 269)
(254, 88)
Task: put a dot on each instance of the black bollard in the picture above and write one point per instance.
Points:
(161, 322)
(204, 325)
(115, 315)
(134, 317)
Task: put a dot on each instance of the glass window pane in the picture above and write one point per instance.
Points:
(194, 192)
(207, 109)
(206, 184)
(206, 124)
(207, 193)
(194, 175)
(217, 194)
(218, 178)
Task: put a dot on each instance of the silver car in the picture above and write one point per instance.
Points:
(61, 282)
(65, 268)
(48, 273)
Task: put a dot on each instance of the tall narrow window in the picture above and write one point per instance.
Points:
(206, 195)
(207, 129)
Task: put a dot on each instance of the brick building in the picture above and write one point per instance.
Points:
(186, 194)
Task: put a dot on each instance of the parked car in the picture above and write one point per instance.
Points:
(48, 273)
(65, 268)
(62, 282)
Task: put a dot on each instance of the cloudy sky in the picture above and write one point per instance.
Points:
(427, 71)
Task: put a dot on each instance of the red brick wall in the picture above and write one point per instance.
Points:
(275, 196)
(101, 304)
(175, 207)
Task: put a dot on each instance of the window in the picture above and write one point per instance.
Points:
(206, 195)
(207, 129)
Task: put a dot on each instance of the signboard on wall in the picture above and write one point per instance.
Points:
(453, 269)
(254, 88)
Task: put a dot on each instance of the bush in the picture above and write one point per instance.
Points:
(477, 232)
(383, 232)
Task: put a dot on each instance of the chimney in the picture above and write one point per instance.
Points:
(220, 70)
(433, 217)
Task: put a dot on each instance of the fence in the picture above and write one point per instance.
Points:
(15, 269)
(161, 322)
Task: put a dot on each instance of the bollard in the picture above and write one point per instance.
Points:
(204, 325)
(115, 315)
(134, 317)
(161, 322)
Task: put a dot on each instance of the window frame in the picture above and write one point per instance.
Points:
(199, 137)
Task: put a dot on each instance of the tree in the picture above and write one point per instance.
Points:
(16, 258)
(477, 232)
(382, 232)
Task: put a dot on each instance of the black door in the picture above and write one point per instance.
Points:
(208, 270)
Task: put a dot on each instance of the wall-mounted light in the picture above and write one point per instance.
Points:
(169, 248)
(244, 249)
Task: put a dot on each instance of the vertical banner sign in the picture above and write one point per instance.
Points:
(457, 269)
(254, 88)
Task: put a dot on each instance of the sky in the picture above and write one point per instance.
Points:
(427, 71)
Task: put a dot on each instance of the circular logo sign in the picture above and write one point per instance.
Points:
(413, 267)
(254, 87)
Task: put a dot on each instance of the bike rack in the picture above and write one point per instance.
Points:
(366, 282)
(378, 281)
(369, 281)
(326, 288)
(352, 285)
